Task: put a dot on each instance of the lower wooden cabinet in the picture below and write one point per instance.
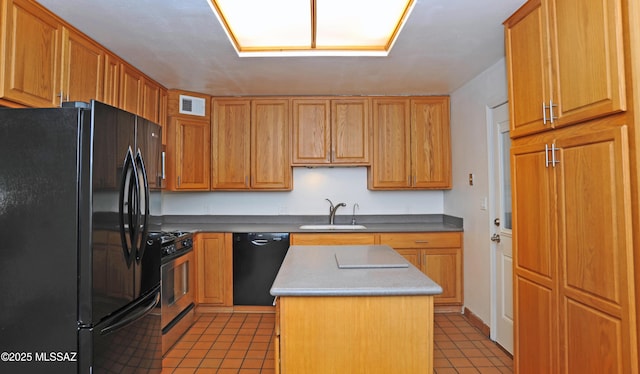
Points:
(438, 255)
(214, 259)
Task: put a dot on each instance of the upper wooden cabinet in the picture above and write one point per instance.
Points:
(231, 134)
(251, 144)
(188, 154)
(330, 131)
(130, 89)
(111, 80)
(565, 63)
(412, 143)
(82, 68)
(31, 52)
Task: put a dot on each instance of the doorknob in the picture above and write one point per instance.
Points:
(496, 221)
(495, 238)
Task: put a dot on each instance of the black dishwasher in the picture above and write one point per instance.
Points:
(256, 260)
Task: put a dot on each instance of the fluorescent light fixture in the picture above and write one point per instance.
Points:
(312, 27)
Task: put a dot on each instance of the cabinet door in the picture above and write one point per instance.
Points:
(391, 166)
(270, 150)
(31, 60)
(350, 135)
(411, 255)
(596, 287)
(192, 155)
(588, 57)
(111, 84)
(82, 68)
(214, 269)
(431, 143)
(150, 105)
(231, 134)
(534, 254)
(529, 80)
(444, 266)
(130, 89)
(311, 135)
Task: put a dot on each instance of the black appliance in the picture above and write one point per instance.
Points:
(79, 193)
(178, 286)
(256, 260)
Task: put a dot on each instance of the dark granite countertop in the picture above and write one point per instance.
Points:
(282, 223)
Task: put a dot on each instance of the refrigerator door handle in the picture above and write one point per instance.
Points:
(120, 321)
(143, 204)
(125, 207)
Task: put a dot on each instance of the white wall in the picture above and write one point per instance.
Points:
(469, 105)
(310, 188)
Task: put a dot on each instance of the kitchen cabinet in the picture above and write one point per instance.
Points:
(330, 131)
(251, 141)
(214, 259)
(231, 139)
(270, 145)
(130, 89)
(188, 162)
(111, 84)
(31, 46)
(82, 68)
(346, 238)
(438, 255)
(412, 144)
(150, 100)
(565, 63)
(573, 255)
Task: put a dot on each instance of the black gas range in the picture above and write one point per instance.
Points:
(173, 244)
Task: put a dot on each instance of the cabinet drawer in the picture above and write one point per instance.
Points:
(422, 240)
(332, 239)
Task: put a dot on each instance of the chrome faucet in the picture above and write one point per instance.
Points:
(353, 216)
(332, 210)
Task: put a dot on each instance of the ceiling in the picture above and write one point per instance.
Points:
(181, 44)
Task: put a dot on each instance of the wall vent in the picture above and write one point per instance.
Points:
(192, 105)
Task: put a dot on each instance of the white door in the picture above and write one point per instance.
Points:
(502, 331)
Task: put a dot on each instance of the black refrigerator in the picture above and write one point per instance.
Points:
(79, 272)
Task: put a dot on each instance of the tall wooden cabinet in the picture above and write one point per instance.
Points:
(83, 61)
(411, 143)
(554, 50)
(574, 279)
(231, 139)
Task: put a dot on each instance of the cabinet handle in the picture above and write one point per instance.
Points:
(421, 241)
(164, 174)
(554, 161)
(551, 105)
(544, 114)
(179, 181)
(546, 156)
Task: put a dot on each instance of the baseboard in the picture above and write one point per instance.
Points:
(477, 322)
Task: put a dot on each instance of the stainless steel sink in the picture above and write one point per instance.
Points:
(332, 227)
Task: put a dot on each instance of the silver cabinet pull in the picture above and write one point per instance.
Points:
(544, 114)
(546, 156)
(554, 161)
(421, 241)
(164, 175)
(551, 116)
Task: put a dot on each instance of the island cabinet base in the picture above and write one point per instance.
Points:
(354, 334)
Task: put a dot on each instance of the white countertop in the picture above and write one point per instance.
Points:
(314, 271)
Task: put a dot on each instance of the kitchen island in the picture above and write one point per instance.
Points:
(352, 309)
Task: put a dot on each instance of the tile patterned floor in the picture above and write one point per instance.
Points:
(241, 343)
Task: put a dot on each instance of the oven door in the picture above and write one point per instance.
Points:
(178, 284)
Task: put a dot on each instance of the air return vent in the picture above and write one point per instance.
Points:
(192, 105)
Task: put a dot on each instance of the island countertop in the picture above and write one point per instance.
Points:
(378, 270)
